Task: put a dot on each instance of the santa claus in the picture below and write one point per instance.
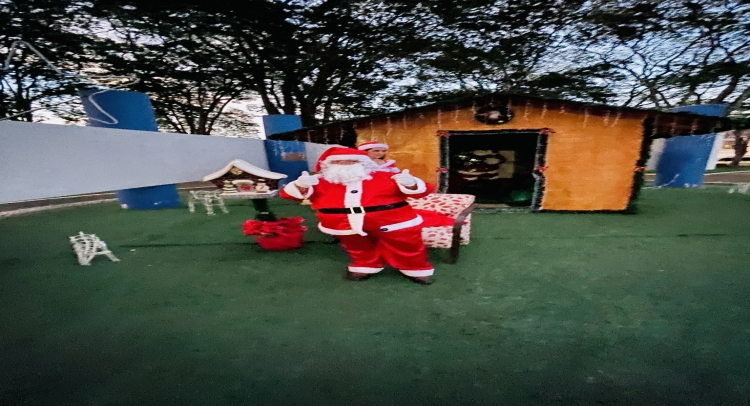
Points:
(367, 211)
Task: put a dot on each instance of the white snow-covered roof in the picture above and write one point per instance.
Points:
(247, 167)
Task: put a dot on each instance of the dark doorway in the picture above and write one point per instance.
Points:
(495, 166)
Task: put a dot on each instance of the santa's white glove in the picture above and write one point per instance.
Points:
(404, 178)
(306, 180)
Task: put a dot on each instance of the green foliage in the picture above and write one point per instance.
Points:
(333, 59)
(54, 28)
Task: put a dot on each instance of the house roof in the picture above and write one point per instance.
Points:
(665, 124)
(247, 167)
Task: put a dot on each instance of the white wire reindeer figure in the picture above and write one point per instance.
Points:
(87, 246)
(743, 188)
(208, 199)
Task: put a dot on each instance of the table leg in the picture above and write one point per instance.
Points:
(263, 213)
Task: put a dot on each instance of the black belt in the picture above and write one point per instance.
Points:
(360, 209)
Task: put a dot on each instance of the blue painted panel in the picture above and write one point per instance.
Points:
(683, 161)
(281, 123)
(148, 198)
(119, 109)
(129, 111)
(718, 110)
(287, 157)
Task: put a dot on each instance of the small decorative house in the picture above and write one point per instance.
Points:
(242, 179)
(520, 150)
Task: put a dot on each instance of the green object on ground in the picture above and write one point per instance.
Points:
(542, 308)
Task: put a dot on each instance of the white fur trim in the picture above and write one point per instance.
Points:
(362, 158)
(364, 269)
(291, 189)
(371, 145)
(353, 199)
(356, 221)
(404, 224)
(333, 231)
(421, 188)
(426, 272)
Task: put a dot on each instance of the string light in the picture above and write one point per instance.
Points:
(388, 126)
(439, 118)
(617, 118)
(455, 114)
(309, 138)
(585, 116)
(544, 110)
(694, 127)
(716, 126)
(606, 118)
(403, 120)
(655, 131)
(526, 110)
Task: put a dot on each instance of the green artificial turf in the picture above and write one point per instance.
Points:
(542, 308)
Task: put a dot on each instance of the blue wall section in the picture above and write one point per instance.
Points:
(683, 160)
(129, 111)
(280, 123)
(714, 110)
(119, 109)
(287, 157)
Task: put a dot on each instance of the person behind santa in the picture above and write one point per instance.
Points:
(366, 210)
(376, 151)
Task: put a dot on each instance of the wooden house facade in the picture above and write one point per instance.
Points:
(549, 154)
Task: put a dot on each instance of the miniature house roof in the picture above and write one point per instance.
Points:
(247, 167)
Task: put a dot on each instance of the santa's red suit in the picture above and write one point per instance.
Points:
(372, 221)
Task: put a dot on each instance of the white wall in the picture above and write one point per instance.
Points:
(47, 160)
(657, 147)
(715, 150)
(314, 151)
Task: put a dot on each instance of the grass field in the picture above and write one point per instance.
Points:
(542, 309)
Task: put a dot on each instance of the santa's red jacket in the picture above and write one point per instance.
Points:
(356, 198)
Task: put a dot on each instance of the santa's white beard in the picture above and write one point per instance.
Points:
(344, 174)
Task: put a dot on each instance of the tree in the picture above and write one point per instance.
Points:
(189, 85)
(54, 29)
(320, 60)
(672, 52)
(490, 46)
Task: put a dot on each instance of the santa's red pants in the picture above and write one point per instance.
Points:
(401, 249)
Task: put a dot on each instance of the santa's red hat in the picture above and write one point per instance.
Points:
(339, 154)
(370, 145)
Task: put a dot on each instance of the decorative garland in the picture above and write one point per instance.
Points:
(540, 168)
(493, 115)
(640, 166)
